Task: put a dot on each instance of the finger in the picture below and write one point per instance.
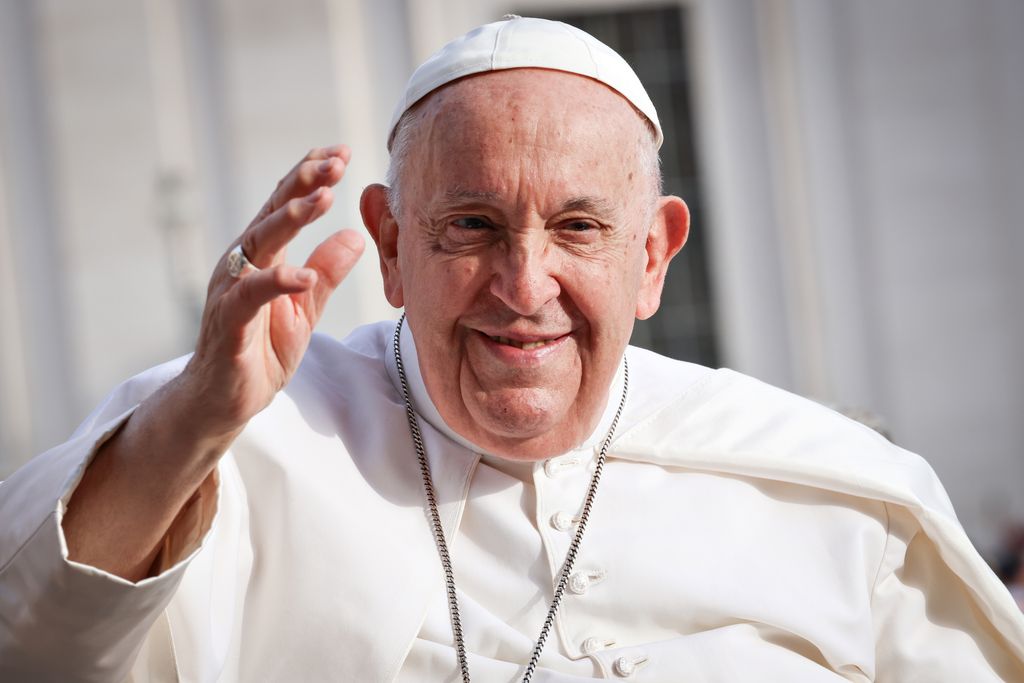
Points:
(341, 151)
(306, 177)
(243, 301)
(321, 166)
(332, 260)
(264, 241)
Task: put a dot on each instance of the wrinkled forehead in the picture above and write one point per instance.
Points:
(527, 133)
(554, 106)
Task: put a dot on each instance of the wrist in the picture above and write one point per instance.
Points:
(185, 416)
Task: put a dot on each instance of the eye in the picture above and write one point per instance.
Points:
(578, 226)
(472, 223)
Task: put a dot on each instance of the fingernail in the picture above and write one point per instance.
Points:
(305, 275)
(326, 165)
(314, 196)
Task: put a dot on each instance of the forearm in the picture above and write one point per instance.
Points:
(138, 482)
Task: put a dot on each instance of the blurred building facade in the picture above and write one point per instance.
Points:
(857, 168)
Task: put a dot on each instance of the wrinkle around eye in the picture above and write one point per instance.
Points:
(457, 234)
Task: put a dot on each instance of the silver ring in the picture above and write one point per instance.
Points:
(238, 263)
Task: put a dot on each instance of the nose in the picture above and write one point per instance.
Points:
(524, 278)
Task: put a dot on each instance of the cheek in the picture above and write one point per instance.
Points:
(606, 290)
(619, 309)
(442, 286)
(461, 270)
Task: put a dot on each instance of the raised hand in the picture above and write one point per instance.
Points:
(256, 327)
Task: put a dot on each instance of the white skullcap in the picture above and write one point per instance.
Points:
(520, 42)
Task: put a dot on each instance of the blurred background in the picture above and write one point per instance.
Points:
(855, 170)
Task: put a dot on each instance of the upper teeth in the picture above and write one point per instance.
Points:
(526, 346)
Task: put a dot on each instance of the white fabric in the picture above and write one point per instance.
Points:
(744, 534)
(526, 42)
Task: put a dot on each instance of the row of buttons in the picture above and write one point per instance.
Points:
(580, 581)
(561, 520)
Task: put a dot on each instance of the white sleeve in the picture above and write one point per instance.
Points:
(65, 621)
(927, 623)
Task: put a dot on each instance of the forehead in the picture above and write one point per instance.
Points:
(493, 130)
(542, 93)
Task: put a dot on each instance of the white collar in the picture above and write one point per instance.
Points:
(426, 409)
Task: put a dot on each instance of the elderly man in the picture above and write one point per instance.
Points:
(497, 487)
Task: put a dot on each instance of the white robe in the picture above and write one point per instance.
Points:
(743, 534)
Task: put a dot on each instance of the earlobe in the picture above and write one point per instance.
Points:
(664, 240)
(383, 228)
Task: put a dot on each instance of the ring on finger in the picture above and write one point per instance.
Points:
(239, 264)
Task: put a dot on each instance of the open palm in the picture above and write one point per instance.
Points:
(257, 326)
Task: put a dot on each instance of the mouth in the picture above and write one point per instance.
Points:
(524, 345)
(523, 350)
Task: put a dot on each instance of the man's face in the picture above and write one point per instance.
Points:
(522, 254)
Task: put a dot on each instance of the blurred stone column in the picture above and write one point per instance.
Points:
(177, 209)
(38, 389)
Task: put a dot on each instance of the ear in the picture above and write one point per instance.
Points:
(664, 240)
(383, 228)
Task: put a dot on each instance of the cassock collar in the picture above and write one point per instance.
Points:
(426, 409)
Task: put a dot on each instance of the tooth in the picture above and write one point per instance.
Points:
(526, 346)
(505, 340)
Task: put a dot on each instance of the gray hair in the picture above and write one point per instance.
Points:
(405, 130)
(401, 142)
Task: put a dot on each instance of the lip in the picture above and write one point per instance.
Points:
(513, 355)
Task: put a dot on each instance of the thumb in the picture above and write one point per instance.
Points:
(333, 259)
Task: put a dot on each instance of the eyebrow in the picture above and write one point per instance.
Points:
(461, 195)
(587, 204)
(584, 203)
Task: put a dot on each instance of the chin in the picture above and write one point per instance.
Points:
(516, 420)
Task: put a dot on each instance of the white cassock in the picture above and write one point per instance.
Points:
(739, 534)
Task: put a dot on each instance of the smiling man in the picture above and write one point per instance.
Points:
(496, 488)
(532, 244)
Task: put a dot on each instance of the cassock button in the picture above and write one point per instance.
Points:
(555, 466)
(626, 667)
(592, 645)
(580, 582)
(563, 521)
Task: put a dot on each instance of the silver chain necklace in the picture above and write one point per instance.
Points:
(442, 544)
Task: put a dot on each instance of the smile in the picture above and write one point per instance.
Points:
(525, 346)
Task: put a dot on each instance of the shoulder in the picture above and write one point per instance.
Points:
(708, 404)
(338, 373)
(364, 349)
(725, 421)
(657, 382)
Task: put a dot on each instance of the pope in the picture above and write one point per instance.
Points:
(498, 487)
